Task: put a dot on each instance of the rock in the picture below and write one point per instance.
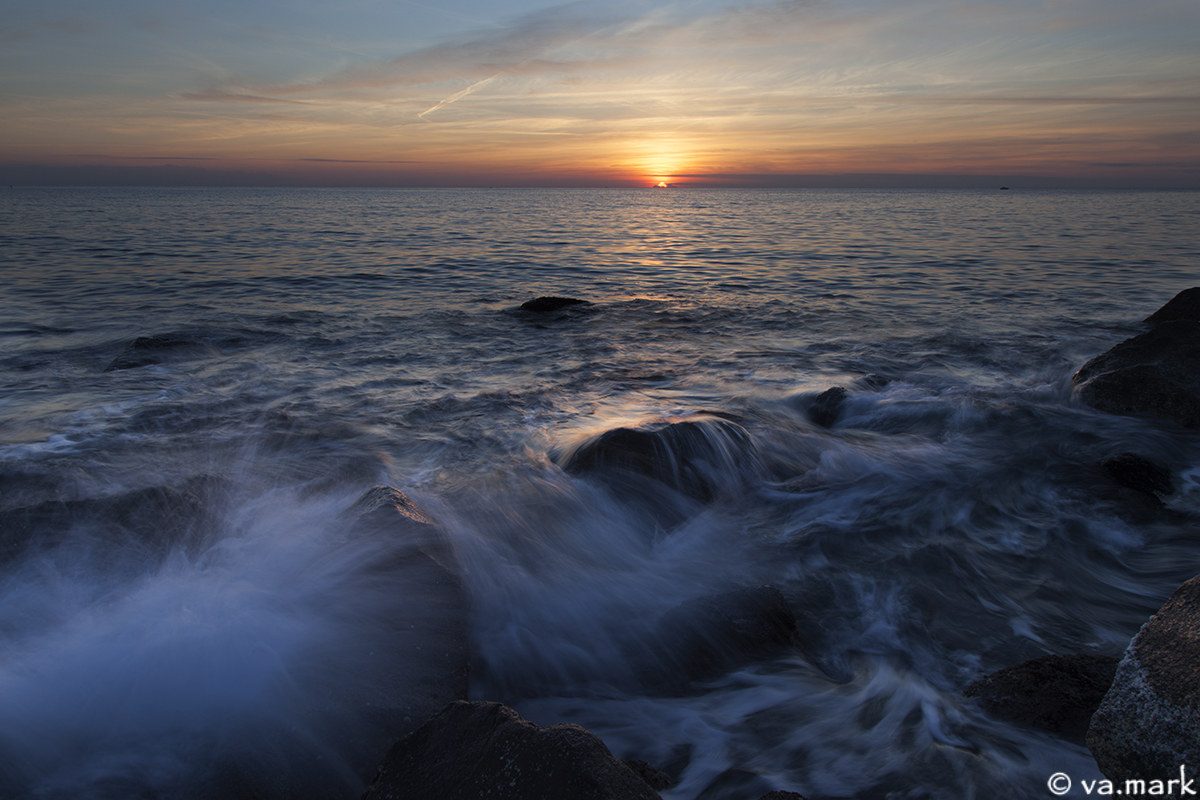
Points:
(735, 784)
(1156, 374)
(146, 350)
(1140, 474)
(476, 750)
(545, 305)
(827, 406)
(779, 794)
(700, 456)
(1056, 693)
(708, 636)
(1185, 305)
(427, 658)
(151, 520)
(1149, 722)
(654, 777)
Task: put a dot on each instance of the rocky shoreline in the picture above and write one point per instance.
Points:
(1139, 715)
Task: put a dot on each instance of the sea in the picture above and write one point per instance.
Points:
(295, 347)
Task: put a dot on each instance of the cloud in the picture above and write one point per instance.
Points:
(219, 96)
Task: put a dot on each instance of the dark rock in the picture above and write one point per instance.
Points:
(146, 350)
(1149, 722)
(700, 457)
(1185, 305)
(545, 305)
(654, 777)
(428, 656)
(1156, 374)
(708, 636)
(1140, 474)
(152, 520)
(827, 406)
(735, 784)
(476, 750)
(1057, 693)
(779, 794)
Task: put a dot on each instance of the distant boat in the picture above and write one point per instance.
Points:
(1003, 188)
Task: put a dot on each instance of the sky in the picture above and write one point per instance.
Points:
(627, 93)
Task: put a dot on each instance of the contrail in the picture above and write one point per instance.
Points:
(459, 95)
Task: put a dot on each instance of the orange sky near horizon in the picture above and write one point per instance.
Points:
(624, 94)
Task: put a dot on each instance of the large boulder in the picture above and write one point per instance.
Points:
(1056, 693)
(1149, 721)
(712, 634)
(1155, 374)
(475, 750)
(426, 657)
(701, 456)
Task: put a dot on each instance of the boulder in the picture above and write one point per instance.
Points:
(549, 304)
(475, 750)
(700, 456)
(710, 635)
(1155, 374)
(1055, 693)
(427, 657)
(1149, 721)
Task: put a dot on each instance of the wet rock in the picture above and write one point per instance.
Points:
(427, 658)
(1149, 722)
(152, 520)
(1185, 305)
(1155, 374)
(708, 636)
(827, 406)
(475, 750)
(1140, 474)
(1056, 693)
(700, 457)
(546, 305)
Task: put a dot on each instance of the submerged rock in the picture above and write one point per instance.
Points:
(475, 750)
(146, 350)
(1149, 722)
(1155, 374)
(1056, 693)
(700, 457)
(1140, 474)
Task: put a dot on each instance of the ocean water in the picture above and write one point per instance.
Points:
(954, 520)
